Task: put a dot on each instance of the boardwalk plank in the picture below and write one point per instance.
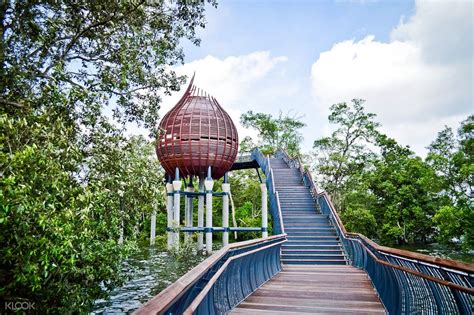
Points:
(314, 290)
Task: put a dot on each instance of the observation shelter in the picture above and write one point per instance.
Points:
(197, 140)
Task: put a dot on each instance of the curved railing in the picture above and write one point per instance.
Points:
(238, 277)
(275, 207)
(407, 282)
(221, 281)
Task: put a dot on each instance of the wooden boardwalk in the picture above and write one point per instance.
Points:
(314, 289)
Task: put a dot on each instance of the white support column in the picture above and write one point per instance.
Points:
(169, 212)
(191, 210)
(209, 184)
(200, 222)
(186, 215)
(225, 213)
(176, 212)
(263, 187)
(189, 214)
(153, 228)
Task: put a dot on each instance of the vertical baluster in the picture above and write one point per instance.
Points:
(176, 214)
(169, 212)
(209, 184)
(263, 187)
(225, 210)
(200, 222)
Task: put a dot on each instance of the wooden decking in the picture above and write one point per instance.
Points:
(314, 289)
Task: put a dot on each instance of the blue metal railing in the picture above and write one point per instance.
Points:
(275, 208)
(407, 283)
(238, 277)
(221, 281)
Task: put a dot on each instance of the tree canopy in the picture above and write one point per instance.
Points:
(282, 132)
(101, 54)
(344, 154)
(71, 182)
(382, 189)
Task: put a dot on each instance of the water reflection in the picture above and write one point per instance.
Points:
(150, 270)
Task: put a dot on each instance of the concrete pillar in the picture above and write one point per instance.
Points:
(176, 211)
(200, 222)
(263, 187)
(209, 185)
(169, 212)
(225, 213)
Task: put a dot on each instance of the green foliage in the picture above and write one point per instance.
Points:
(385, 191)
(405, 189)
(71, 182)
(112, 51)
(344, 155)
(360, 220)
(452, 158)
(277, 133)
(59, 231)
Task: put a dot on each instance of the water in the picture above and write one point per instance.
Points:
(441, 251)
(150, 270)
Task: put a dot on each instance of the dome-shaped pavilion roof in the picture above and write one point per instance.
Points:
(195, 134)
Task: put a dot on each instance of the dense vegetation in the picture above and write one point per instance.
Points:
(72, 73)
(275, 133)
(384, 190)
(381, 188)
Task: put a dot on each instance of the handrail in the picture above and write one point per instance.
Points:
(445, 284)
(180, 289)
(282, 226)
(197, 302)
(448, 263)
(275, 207)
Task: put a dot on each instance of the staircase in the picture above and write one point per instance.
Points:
(312, 240)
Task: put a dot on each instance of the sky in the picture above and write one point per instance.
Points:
(411, 61)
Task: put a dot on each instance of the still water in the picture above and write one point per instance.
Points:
(150, 270)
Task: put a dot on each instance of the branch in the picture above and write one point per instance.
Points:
(11, 103)
(88, 59)
(74, 40)
(129, 91)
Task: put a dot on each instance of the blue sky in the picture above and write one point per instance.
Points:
(411, 61)
(297, 29)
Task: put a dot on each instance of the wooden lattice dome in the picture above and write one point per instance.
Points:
(195, 134)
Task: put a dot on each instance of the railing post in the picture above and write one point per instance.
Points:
(176, 214)
(169, 212)
(201, 213)
(209, 184)
(263, 187)
(225, 211)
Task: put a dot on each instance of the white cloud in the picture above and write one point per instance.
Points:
(443, 30)
(231, 81)
(418, 82)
